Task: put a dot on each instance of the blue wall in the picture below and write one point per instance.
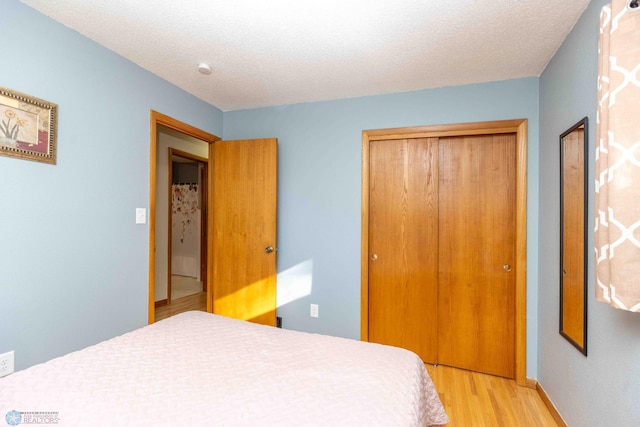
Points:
(602, 389)
(319, 195)
(73, 263)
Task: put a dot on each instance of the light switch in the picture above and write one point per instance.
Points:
(141, 216)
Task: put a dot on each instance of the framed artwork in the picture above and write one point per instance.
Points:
(27, 127)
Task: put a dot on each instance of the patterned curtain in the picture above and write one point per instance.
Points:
(185, 209)
(617, 222)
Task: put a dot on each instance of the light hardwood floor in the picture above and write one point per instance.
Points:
(190, 302)
(478, 400)
(471, 399)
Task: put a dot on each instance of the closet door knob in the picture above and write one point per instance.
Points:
(374, 257)
(506, 267)
(268, 249)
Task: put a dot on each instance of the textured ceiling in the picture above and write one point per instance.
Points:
(276, 52)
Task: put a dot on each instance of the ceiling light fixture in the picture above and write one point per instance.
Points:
(204, 68)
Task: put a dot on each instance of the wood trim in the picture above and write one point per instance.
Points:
(189, 156)
(521, 253)
(169, 222)
(156, 119)
(210, 234)
(364, 241)
(161, 303)
(531, 383)
(153, 130)
(183, 127)
(439, 131)
(519, 127)
(550, 406)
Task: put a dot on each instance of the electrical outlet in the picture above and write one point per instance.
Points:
(314, 310)
(6, 364)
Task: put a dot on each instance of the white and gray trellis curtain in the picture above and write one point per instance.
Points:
(617, 199)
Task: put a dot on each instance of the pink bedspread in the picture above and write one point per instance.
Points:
(202, 369)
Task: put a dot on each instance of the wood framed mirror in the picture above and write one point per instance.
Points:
(573, 234)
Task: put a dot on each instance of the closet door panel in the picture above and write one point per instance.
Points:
(403, 244)
(476, 301)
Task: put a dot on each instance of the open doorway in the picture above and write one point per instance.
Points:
(178, 220)
(244, 175)
(187, 211)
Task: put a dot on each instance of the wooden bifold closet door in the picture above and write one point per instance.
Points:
(442, 221)
(403, 240)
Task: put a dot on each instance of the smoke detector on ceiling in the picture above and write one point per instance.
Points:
(204, 68)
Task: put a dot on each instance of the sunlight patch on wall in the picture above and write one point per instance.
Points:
(295, 283)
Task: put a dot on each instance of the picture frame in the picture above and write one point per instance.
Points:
(28, 127)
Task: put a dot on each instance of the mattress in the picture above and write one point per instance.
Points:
(198, 368)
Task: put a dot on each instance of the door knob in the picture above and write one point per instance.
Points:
(268, 249)
(506, 267)
(374, 257)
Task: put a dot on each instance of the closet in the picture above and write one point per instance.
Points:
(443, 214)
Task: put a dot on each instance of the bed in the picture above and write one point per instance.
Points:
(198, 368)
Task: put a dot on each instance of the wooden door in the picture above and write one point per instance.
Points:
(442, 249)
(244, 230)
(403, 236)
(476, 301)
